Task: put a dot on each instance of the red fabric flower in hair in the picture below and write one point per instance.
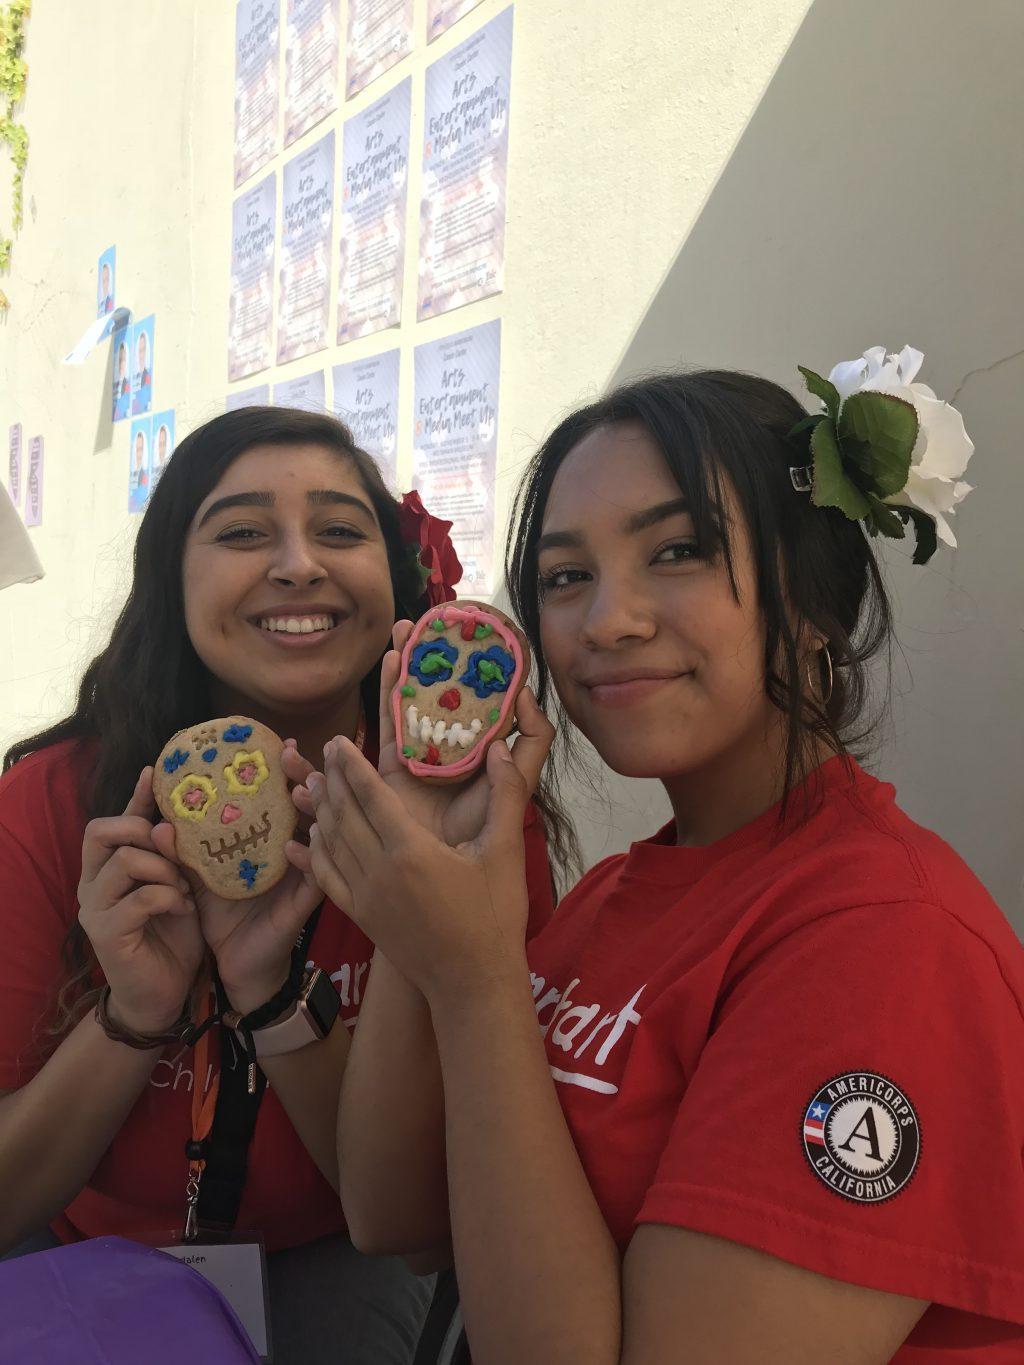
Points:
(437, 557)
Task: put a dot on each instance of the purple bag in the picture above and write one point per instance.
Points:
(112, 1302)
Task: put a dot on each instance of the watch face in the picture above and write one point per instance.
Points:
(321, 1001)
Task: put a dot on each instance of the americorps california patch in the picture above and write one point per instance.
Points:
(862, 1137)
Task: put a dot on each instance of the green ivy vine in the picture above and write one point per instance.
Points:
(13, 73)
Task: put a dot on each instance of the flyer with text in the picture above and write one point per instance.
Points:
(303, 300)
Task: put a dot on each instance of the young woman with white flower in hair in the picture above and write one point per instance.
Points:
(774, 1110)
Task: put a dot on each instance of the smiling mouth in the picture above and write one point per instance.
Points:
(239, 843)
(296, 625)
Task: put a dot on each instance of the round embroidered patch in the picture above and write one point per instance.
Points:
(861, 1137)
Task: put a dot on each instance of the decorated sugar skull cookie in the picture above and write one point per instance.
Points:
(220, 784)
(462, 669)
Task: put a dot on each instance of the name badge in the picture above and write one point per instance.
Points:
(239, 1270)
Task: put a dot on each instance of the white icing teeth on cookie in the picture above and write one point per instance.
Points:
(297, 625)
(429, 731)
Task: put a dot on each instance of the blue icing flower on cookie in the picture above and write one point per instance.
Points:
(174, 761)
(249, 871)
(209, 755)
(489, 671)
(433, 661)
(237, 734)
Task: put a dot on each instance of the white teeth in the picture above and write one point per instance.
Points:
(294, 625)
(430, 731)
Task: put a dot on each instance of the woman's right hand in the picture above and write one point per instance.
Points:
(454, 812)
(138, 911)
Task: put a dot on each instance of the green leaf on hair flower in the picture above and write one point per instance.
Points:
(924, 532)
(823, 389)
(832, 485)
(885, 519)
(808, 424)
(878, 431)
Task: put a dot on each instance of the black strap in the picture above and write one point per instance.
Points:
(226, 1150)
(438, 1321)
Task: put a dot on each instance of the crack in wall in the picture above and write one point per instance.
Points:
(984, 369)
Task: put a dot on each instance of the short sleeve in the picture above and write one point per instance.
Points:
(32, 931)
(538, 873)
(858, 1110)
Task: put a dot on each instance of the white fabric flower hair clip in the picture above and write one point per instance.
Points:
(886, 451)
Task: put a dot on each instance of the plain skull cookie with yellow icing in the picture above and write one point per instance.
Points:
(462, 669)
(221, 785)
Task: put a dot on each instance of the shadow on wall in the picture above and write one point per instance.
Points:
(876, 197)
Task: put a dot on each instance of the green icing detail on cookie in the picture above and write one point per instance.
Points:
(438, 624)
(490, 671)
(434, 663)
(408, 751)
(408, 691)
(492, 716)
(482, 631)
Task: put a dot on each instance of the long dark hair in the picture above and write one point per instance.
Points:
(149, 682)
(719, 430)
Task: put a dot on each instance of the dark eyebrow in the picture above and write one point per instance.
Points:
(638, 521)
(316, 497)
(236, 500)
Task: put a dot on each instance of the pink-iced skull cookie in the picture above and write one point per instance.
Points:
(221, 785)
(462, 669)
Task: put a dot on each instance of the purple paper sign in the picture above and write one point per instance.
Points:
(14, 464)
(455, 443)
(251, 301)
(305, 272)
(34, 483)
(375, 177)
(379, 35)
(257, 48)
(257, 396)
(312, 41)
(366, 400)
(465, 158)
(441, 14)
(308, 392)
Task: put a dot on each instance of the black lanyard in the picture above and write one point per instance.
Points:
(226, 1151)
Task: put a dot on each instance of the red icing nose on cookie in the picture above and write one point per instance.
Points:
(229, 813)
(450, 700)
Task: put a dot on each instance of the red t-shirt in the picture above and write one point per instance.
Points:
(810, 1044)
(138, 1186)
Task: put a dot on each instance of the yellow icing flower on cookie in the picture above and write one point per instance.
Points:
(246, 773)
(193, 797)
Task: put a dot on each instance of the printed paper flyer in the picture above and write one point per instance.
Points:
(366, 400)
(455, 443)
(106, 282)
(34, 483)
(138, 464)
(162, 446)
(305, 278)
(121, 394)
(379, 35)
(312, 40)
(258, 396)
(141, 348)
(308, 392)
(441, 14)
(14, 464)
(257, 45)
(374, 184)
(465, 158)
(251, 300)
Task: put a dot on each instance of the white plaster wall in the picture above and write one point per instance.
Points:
(625, 122)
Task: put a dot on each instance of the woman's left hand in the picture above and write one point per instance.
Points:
(251, 940)
(438, 913)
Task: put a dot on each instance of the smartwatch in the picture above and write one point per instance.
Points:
(315, 1012)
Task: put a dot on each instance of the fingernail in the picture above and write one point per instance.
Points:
(314, 832)
(313, 784)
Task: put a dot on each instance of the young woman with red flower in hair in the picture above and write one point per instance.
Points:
(270, 567)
